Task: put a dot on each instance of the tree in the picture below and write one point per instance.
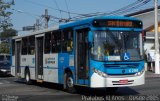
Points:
(5, 21)
(4, 48)
(6, 36)
(7, 33)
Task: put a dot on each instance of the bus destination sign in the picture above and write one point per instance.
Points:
(117, 23)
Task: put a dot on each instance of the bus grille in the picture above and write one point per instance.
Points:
(121, 75)
(133, 65)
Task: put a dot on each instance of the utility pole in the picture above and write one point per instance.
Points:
(157, 69)
(13, 2)
(37, 25)
(47, 17)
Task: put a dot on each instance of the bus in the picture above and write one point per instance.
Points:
(97, 52)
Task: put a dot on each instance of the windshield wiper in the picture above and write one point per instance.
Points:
(116, 40)
(125, 37)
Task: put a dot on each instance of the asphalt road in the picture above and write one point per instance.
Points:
(12, 89)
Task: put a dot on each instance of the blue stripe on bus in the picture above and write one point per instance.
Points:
(34, 67)
(24, 66)
(28, 66)
(50, 67)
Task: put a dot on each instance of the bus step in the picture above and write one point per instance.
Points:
(40, 81)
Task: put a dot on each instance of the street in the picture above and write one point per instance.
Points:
(12, 89)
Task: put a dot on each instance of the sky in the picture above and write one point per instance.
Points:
(25, 12)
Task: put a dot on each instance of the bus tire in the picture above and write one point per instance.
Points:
(69, 83)
(27, 77)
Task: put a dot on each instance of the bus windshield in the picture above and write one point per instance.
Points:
(116, 46)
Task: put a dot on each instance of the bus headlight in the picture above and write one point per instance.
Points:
(99, 73)
(3, 70)
(140, 73)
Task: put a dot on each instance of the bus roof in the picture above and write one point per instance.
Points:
(76, 23)
(89, 20)
(38, 32)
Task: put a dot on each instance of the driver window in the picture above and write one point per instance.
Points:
(67, 41)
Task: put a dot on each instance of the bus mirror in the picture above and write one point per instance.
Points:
(90, 37)
(144, 35)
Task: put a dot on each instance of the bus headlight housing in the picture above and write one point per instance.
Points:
(3, 70)
(140, 73)
(100, 73)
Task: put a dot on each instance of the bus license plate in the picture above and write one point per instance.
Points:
(123, 81)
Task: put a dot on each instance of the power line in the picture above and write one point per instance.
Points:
(115, 11)
(58, 7)
(27, 13)
(135, 5)
(67, 9)
(132, 8)
(129, 7)
(122, 10)
(126, 7)
(84, 15)
(42, 5)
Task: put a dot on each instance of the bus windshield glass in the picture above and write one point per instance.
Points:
(116, 46)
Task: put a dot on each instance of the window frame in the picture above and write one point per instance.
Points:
(67, 40)
(31, 45)
(24, 50)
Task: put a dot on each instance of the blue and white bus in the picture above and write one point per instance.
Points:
(99, 52)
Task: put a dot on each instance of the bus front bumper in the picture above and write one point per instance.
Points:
(98, 81)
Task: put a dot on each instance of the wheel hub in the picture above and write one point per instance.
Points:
(70, 82)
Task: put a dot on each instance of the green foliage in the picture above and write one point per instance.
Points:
(5, 21)
(5, 25)
(4, 48)
(8, 33)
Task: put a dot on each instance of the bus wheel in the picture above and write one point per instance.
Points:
(70, 83)
(27, 77)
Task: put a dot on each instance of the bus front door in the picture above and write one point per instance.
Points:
(39, 58)
(18, 59)
(82, 57)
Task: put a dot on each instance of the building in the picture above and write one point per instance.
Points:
(147, 16)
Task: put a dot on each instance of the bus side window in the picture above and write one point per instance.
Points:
(47, 46)
(31, 45)
(67, 41)
(56, 42)
(24, 46)
(13, 47)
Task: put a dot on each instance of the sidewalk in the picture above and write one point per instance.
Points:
(150, 74)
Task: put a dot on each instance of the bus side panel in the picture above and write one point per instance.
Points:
(31, 65)
(13, 66)
(50, 67)
(24, 59)
(63, 62)
(28, 61)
